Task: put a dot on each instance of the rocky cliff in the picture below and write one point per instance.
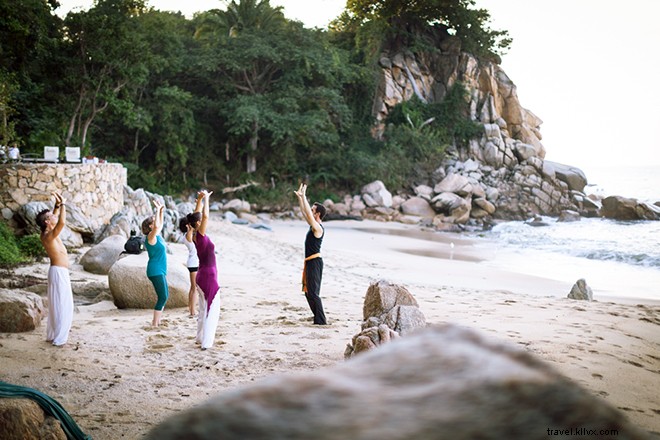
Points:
(506, 165)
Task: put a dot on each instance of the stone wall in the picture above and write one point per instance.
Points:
(96, 190)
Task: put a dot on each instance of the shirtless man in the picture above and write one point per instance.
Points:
(60, 297)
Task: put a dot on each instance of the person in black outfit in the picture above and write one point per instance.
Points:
(313, 266)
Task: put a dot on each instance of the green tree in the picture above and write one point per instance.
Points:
(29, 39)
(107, 54)
(415, 24)
(240, 36)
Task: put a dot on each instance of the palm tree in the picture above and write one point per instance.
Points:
(253, 75)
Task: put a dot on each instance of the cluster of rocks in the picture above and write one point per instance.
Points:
(503, 175)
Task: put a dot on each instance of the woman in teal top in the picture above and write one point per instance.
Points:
(157, 265)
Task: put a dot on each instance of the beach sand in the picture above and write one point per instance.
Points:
(118, 377)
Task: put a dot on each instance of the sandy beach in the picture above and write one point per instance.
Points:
(118, 377)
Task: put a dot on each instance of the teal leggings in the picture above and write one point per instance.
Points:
(160, 284)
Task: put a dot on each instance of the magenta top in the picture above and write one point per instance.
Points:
(207, 274)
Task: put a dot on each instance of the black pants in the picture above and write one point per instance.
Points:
(314, 274)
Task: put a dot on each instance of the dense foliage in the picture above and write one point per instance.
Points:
(230, 95)
(10, 254)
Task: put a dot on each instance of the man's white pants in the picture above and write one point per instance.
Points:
(207, 321)
(60, 305)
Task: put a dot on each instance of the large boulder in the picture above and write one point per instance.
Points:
(131, 289)
(376, 194)
(417, 206)
(442, 382)
(100, 258)
(624, 208)
(454, 183)
(20, 311)
(25, 419)
(572, 176)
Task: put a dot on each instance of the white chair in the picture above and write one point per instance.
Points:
(51, 154)
(72, 154)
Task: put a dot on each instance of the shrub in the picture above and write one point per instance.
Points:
(30, 246)
(9, 253)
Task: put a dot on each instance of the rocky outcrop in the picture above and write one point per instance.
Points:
(20, 311)
(440, 382)
(623, 208)
(131, 289)
(138, 205)
(389, 311)
(501, 175)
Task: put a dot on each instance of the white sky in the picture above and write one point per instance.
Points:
(588, 68)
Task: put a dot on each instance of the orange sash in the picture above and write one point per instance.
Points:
(304, 273)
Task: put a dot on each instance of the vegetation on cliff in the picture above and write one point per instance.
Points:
(230, 95)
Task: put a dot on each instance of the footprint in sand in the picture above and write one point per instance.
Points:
(158, 347)
(157, 343)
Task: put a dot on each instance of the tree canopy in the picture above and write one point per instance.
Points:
(232, 94)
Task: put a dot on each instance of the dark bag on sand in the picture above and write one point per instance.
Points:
(134, 245)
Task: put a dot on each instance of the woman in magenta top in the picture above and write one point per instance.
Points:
(207, 275)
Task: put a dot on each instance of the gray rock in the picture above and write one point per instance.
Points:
(581, 291)
(443, 382)
(454, 183)
(120, 224)
(20, 311)
(100, 258)
(185, 208)
(377, 191)
(568, 215)
(230, 217)
(237, 206)
(131, 289)
(572, 176)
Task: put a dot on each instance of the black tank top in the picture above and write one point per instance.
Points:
(313, 244)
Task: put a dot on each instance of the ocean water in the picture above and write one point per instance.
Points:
(618, 259)
(642, 183)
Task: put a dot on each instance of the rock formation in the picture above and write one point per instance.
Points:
(389, 311)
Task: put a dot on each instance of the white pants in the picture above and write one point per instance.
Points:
(60, 305)
(207, 322)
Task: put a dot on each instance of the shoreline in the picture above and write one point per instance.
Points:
(117, 372)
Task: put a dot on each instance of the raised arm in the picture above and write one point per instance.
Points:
(189, 233)
(60, 212)
(203, 196)
(158, 222)
(306, 210)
